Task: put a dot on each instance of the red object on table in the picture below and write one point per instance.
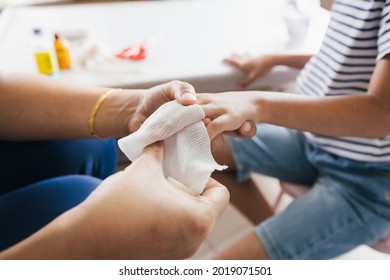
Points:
(134, 53)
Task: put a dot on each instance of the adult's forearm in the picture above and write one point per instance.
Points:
(67, 237)
(37, 107)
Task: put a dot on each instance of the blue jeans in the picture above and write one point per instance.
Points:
(41, 180)
(348, 203)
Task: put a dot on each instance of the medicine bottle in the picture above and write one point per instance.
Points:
(44, 53)
(62, 52)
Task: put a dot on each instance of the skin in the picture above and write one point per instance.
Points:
(41, 108)
(256, 67)
(134, 214)
(66, 108)
(366, 115)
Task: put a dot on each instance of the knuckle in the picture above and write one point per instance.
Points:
(214, 127)
(174, 83)
(199, 225)
(195, 230)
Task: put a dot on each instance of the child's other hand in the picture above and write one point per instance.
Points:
(254, 67)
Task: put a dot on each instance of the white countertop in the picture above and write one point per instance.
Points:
(187, 40)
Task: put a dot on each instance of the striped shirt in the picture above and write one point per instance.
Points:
(358, 36)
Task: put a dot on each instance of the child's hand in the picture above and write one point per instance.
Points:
(229, 113)
(255, 67)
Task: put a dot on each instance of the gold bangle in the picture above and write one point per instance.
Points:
(95, 108)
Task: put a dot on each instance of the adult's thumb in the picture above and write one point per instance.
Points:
(154, 152)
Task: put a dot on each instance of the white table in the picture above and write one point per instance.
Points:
(187, 39)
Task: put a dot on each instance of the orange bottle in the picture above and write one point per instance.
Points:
(62, 52)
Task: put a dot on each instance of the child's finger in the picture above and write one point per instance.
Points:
(248, 129)
(249, 79)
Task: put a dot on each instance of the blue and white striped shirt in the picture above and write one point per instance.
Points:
(358, 36)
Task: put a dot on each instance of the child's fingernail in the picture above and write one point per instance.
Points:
(246, 127)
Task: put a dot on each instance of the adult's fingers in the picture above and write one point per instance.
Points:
(180, 186)
(216, 195)
(183, 92)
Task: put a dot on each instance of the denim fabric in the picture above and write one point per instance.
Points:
(25, 163)
(348, 203)
(41, 180)
(28, 209)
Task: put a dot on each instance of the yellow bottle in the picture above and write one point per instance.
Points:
(44, 53)
(62, 52)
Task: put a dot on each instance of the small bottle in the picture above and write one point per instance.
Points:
(44, 53)
(62, 52)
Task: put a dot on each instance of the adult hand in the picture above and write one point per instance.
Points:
(254, 67)
(139, 214)
(134, 214)
(156, 96)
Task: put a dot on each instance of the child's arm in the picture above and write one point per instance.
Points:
(366, 115)
(256, 67)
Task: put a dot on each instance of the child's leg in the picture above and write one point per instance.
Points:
(248, 247)
(245, 196)
(274, 151)
(346, 207)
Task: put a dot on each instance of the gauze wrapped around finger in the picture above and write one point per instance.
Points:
(188, 157)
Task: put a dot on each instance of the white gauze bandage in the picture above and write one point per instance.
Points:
(187, 157)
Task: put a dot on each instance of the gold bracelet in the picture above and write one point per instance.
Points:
(95, 108)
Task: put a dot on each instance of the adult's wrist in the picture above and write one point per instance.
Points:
(115, 113)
